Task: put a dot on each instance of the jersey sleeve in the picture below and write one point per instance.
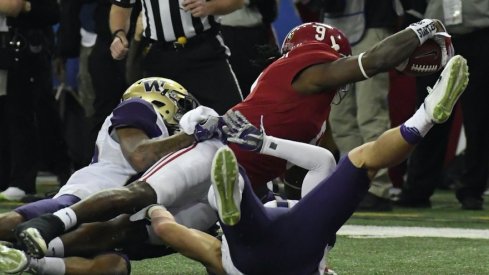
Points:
(136, 113)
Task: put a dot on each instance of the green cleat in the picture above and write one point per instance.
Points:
(225, 177)
(12, 260)
(446, 91)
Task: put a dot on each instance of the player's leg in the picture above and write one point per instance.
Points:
(342, 191)
(191, 243)
(231, 195)
(37, 232)
(121, 232)
(183, 178)
(395, 144)
(94, 238)
(176, 179)
(9, 220)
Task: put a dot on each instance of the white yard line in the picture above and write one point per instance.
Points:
(368, 231)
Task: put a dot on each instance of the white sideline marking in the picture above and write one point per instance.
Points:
(369, 231)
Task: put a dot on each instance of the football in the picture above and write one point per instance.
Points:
(425, 60)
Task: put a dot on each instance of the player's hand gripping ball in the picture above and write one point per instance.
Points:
(425, 60)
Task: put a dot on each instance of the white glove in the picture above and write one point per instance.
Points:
(193, 117)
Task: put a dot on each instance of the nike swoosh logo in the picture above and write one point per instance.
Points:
(71, 221)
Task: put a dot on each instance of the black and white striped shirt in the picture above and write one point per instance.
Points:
(165, 20)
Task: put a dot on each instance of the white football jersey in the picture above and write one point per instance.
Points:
(109, 168)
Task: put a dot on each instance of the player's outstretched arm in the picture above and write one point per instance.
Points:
(383, 56)
(191, 243)
(142, 152)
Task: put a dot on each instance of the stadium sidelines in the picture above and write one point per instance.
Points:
(371, 231)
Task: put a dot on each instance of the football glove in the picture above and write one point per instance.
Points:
(209, 128)
(241, 132)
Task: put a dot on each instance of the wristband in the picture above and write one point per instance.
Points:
(114, 34)
(268, 145)
(424, 29)
(360, 64)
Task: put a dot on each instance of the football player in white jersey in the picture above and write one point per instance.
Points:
(177, 180)
(140, 130)
(260, 240)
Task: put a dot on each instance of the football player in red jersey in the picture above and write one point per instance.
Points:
(292, 95)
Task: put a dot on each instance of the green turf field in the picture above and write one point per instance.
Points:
(372, 255)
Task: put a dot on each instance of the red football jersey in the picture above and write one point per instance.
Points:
(286, 113)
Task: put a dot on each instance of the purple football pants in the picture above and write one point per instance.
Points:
(292, 241)
(34, 209)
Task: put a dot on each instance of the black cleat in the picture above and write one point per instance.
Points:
(35, 234)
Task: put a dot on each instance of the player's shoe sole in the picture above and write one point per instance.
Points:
(225, 177)
(12, 260)
(34, 242)
(446, 91)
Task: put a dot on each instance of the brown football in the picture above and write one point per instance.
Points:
(425, 60)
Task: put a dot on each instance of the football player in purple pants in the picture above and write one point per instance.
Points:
(260, 240)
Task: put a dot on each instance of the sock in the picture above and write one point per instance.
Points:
(67, 216)
(416, 127)
(56, 248)
(48, 265)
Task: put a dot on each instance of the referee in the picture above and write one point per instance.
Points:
(184, 44)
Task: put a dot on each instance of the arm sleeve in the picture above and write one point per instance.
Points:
(319, 161)
(136, 113)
